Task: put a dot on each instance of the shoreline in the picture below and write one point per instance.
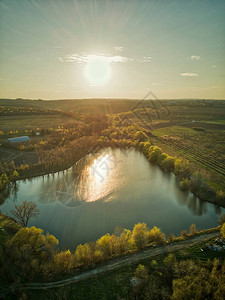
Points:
(39, 173)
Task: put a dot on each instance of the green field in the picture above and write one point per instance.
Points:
(217, 122)
(32, 122)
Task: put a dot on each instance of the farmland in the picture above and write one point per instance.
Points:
(184, 128)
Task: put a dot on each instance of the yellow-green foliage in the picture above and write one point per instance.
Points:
(84, 254)
(155, 235)
(63, 262)
(168, 164)
(199, 282)
(141, 272)
(184, 184)
(192, 229)
(140, 235)
(31, 241)
(182, 168)
(154, 154)
(223, 230)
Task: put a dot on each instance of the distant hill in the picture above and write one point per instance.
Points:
(82, 106)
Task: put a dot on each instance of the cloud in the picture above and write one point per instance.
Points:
(213, 66)
(84, 58)
(195, 57)
(118, 48)
(189, 74)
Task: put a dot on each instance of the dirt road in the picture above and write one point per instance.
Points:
(113, 264)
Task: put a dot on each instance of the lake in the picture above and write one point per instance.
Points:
(112, 188)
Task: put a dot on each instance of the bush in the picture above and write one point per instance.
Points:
(155, 235)
(183, 233)
(154, 154)
(168, 164)
(192, 229)
(182, 168)
(141, 272)
(184, 184)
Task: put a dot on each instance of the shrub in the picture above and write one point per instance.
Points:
(141, 272)
(168, 164)
(171, 237)
(155, 235)
(192, 229)
(183, 233)
(182, 168)
(154, 154)
(223, 230)
(184, 184)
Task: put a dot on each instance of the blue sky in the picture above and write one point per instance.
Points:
(172, 48)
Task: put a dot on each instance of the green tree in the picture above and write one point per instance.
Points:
(223, 230)
(32, 241)
(141, 272)
(140, 136)
(63, 262)
(192, 229)
(84, 254)
(155, 235)
(104, 244)
(139, 235)
(182, 168)
(168, 164)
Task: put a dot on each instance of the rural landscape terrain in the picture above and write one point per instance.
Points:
(112, 150)
(185, 137)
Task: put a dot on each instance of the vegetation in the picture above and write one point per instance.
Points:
(36, 257)
(178, 280)
(24, 212)
(67, 131)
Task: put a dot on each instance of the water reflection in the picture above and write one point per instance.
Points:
(101, 191)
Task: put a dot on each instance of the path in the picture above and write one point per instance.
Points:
(113, 264)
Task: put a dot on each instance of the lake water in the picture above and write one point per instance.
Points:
(111, 188)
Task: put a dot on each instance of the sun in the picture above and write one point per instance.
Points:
(98, 69)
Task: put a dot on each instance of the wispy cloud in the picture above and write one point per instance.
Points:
(84, 58)
(189, 74)
(195, 57)
(213, 66)
(118, 48)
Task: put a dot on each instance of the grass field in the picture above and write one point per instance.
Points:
(32, 122)
(217, 122)
(205, 148)
(190, 129)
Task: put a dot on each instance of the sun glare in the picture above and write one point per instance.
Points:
(97, 70)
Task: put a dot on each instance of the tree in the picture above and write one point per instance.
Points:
(182, 168)
(192, 229)
(63, 262)
(104, 244)
(139, 235)
(24, 212)
(168, 164)
(141, 272)
(140, 136)
(83, 254)
(223, 230)
(32, 241)
(155, 235)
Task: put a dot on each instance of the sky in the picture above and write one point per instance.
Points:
(55, 49)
